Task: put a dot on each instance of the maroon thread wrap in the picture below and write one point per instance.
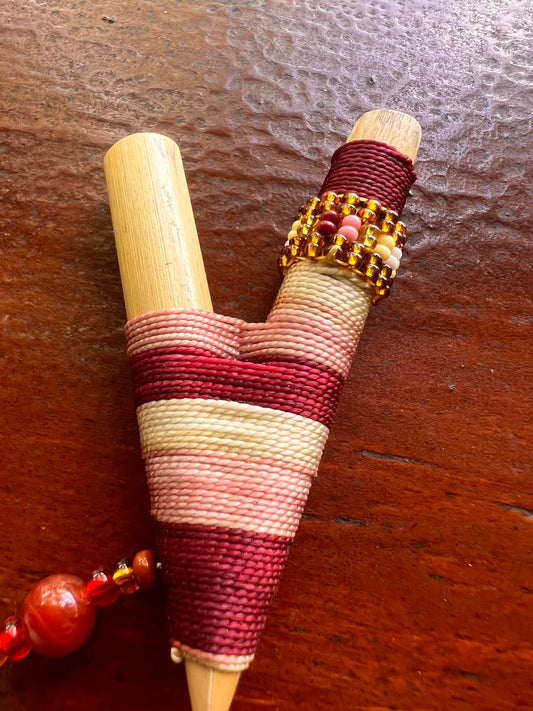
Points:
(371, 169)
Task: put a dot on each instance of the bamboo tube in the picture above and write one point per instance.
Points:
(159, 255)
(161, 266)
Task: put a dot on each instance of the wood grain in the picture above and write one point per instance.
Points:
(409, 583)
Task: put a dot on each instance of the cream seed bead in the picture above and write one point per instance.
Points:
(384, 252)
(387, 241)
(292, 234)
(397, 252)
(393, 263)
(296, 224)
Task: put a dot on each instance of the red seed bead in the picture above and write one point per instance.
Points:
(14, 641)
(144, 569)
(326, 228)
(330, 216)
(58, 615)
(102, 589)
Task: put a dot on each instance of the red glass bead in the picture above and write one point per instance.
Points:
(330, 216)
(102, 589)
(14, 641)
(144, 569)
(58, 615)
(326, 228)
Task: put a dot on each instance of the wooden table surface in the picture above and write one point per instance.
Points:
(410, 582)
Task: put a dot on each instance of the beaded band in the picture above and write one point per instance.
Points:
(351, 231)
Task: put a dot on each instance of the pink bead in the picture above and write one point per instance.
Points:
(326, 228)
(349, 232)
(352, 221)
(58, 615)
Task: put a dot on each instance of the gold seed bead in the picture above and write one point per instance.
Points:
(371, 271)
(124, 577)
(328, 205)
(312, 249)
(401, 227)
(367, 215)
(292, 234)
(351, 198)
(387, 226)
(373, 205)
(399, 239)
(374, 258)
(348, 209)
(390, 216)
(329, 196)
(339, 240)
(382, 293)
(386, 271)
(369, 241)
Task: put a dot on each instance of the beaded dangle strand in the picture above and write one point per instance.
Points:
(59, 613)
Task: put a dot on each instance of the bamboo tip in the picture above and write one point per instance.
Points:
(394, 128)
(210, 689)
(139, 141)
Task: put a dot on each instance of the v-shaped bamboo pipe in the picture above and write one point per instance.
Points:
(161, 266)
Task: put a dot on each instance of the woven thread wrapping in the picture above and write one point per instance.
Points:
(371, 169)
(233, 419)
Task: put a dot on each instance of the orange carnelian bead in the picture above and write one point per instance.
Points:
(102, 589)
(14, 641)
(124, 577)
(58, 615)
(144, 569)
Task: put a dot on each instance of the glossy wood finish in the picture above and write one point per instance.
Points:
(409, 584)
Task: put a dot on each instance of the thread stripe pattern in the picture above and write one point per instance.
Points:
(233, 419)
(228, 623)
(291, 387)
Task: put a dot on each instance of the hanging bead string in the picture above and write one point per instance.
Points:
(372, 169)
(59, 613)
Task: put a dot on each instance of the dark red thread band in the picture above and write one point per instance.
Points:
(308, 390)
(230, 571)
(373, 170)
